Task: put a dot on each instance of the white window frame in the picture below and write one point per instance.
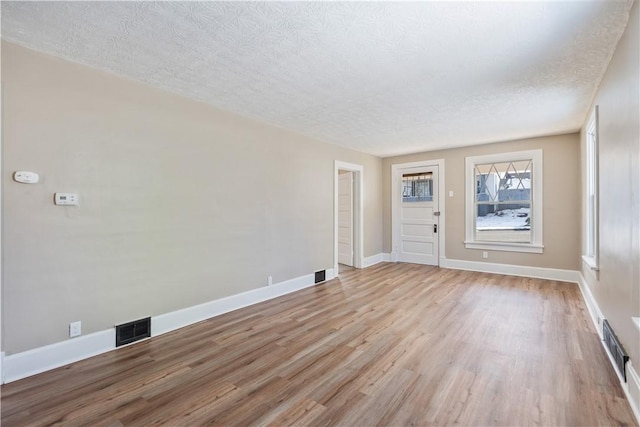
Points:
(535, 246)
(591, 255)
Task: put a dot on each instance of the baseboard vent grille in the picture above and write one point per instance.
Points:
(133, 331)
(615, 348)
(320, 276)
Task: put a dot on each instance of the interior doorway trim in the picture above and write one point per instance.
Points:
(358, 213)
(395, 204)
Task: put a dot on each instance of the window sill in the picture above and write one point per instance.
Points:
(507, 247)
(590, 262)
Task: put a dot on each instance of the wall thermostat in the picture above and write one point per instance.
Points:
(26, 177)
(66, 199)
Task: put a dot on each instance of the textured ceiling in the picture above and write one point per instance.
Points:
(378, 77)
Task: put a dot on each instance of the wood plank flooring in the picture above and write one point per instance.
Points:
(391, 345)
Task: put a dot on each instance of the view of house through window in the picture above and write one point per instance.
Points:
(503, 206)
(503, 201)
(417, 187)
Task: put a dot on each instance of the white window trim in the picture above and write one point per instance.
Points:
(592, 178)
(536, 245)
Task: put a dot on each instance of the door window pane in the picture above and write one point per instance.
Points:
(417, 187)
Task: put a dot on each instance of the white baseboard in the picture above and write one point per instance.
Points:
(375, 259)
(632, 391)
(21, 365)
(180, 318)
(41, 359)
(512, 270)
(594, 310)
(631, 388)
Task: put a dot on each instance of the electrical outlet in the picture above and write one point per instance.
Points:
(75, 329)
(485, 254)
(270, 280)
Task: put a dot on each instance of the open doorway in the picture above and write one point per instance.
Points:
(345, 221)
(348, 213)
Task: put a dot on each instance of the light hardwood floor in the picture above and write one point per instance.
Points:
(392, 345)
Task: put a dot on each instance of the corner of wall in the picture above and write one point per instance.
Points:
(375, 259)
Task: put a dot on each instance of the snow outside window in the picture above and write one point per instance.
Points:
(504, 202)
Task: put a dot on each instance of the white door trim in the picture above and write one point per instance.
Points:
(396, 169)
(358, 213)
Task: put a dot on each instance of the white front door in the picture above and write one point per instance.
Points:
(345, 218)
(416, 223)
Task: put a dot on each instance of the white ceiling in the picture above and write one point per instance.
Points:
(379, 77)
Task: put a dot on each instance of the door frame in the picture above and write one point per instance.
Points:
(345, 184)
(358, 213)
(397, 170)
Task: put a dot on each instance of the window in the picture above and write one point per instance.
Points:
(417, 187)
(591, 204)
(504, 202)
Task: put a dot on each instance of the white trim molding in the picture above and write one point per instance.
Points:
(180, 318)
(375, 259)
(502, 246)
(41, 359)
(591, 245)
(592, 306)
(631, 387)
(512, 270)
(358, 212)
(632, 390)
(590, 262)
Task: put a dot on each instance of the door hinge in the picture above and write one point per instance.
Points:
(436, 213)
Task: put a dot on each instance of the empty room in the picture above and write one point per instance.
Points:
(320, 213)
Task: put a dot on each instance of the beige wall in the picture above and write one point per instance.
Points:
(561, 216)
(165, 220)
(617, 290)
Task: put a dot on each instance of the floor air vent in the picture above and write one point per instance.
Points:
(615, 348)
(320, 276)
(133, 331)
